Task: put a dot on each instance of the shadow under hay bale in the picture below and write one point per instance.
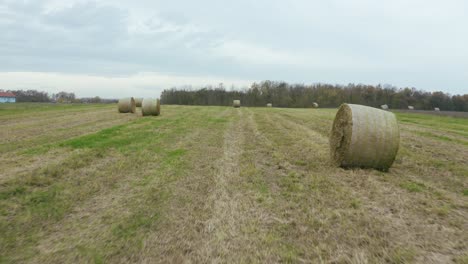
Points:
(364, 137)
(138, 102)
(151, 107)
(127, 105)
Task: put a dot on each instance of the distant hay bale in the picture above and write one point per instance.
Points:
(410, 107)
(236, 103)
(364, 137)
(384, 107)
(315, 105)
(138, 102)
(269, 105)
(437, 109)
(127, 105)
(151, 107)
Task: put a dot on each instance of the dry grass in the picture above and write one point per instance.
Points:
(217, 184)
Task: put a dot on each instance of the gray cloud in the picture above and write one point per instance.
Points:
(406, 43)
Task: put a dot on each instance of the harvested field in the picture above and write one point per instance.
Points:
(438, 113)
(83, 183)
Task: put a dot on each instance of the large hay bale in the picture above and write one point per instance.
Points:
(127, 105)
(269, 105)
(315, 105)
(151, 107)
(236, 103)
(364, 137)
(437, 109)
(410, 107)
(138, 102)
(384, 107)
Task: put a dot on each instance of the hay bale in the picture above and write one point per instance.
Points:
(364, 137)
(127, 105)
(236, 103)
(384, 107)
(437, 109)
(151, 107)
(315, 105)
(138, 102)
(269, 105)
(410, 107)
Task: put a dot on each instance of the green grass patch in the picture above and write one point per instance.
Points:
(412, 186)
(402, 256)
(176, 153)
(102, 139)
(292, 185)
(27, 108)
(442, 137)
(12, 192)
(133, 225)
(92, 254)
(49, 203)
(217, 120)
(355, 203)
(453, 125)
(121, 137)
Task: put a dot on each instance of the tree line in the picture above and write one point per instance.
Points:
(34, 96)
(282, 94)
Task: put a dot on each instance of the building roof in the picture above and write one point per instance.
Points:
(7, 94)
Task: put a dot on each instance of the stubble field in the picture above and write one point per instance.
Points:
(82, 183)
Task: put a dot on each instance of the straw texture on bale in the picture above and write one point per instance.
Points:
(315, 105)
(437, 109)
(384, 107)
(236, 103)
(151, 107)
(127, 105)
(269, 105)
(138, 102)
(364, 137)
(410, 107)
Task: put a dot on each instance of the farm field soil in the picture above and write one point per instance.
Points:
(83, 183)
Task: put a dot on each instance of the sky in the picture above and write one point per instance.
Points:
(114, 48)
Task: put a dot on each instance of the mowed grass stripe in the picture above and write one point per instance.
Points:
(38, 121)
(425, 158)
(322, 209)
(31, 143)
(9, 112)
(451, 125)
(181, 232)
(42, 187)
(368, 185)
(137, 202)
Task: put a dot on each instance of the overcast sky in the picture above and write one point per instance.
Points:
(114, 48)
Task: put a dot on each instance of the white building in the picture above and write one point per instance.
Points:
(6, 97)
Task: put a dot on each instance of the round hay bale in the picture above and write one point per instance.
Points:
(269, 105)
(138, 102)
(236, 103)
(410, 107)
(127, 105)
(151, 107)
(364, 137)
(437, 109)
(315, 105)
(384, 107)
